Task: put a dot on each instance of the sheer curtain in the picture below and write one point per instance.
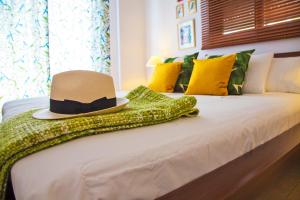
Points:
(79, 35)
(39, 38)
(24, 61)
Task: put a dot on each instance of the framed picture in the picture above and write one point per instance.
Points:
(192, 4)
(179, 11)
(186, 34)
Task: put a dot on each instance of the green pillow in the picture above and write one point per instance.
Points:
(237, 77)
(186, 71)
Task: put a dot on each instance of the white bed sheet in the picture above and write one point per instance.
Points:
(148, 162)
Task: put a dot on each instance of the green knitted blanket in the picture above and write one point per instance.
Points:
(23, 135)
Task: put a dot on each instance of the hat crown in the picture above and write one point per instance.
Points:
(82, 86)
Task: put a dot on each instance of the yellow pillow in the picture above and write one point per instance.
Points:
(165, 76)
(211, 76)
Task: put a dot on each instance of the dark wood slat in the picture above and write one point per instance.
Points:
(285, 55)
(239, 42)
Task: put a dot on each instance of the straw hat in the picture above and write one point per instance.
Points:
(80, 93)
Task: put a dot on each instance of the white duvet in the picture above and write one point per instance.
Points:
(148, 162)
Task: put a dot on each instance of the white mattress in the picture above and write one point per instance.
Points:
(148, 162)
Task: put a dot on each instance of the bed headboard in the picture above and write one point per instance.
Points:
(288, 54)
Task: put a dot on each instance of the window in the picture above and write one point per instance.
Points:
(233, 22)
(75, 35)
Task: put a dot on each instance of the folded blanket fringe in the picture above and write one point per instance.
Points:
(24, 135)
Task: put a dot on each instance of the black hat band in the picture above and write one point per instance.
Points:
(74, 107)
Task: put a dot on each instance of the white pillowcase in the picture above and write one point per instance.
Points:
(257, 73)
(284, 75)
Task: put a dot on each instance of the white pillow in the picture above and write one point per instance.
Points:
(284, 75)
(257, 73)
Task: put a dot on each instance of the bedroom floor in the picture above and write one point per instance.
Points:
(281, 182)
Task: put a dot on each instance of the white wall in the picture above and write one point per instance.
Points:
(130, 58)
(161, 31)
(114, 42)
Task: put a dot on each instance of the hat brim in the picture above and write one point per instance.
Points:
(47, 114)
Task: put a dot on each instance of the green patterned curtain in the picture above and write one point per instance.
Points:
(101, 25)
(39, 38)
(24, 55)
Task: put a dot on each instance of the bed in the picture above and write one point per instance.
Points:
(207, 157)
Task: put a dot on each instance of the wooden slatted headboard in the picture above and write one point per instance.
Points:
(289, 54)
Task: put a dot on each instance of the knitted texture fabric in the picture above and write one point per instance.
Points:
(23, 135)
